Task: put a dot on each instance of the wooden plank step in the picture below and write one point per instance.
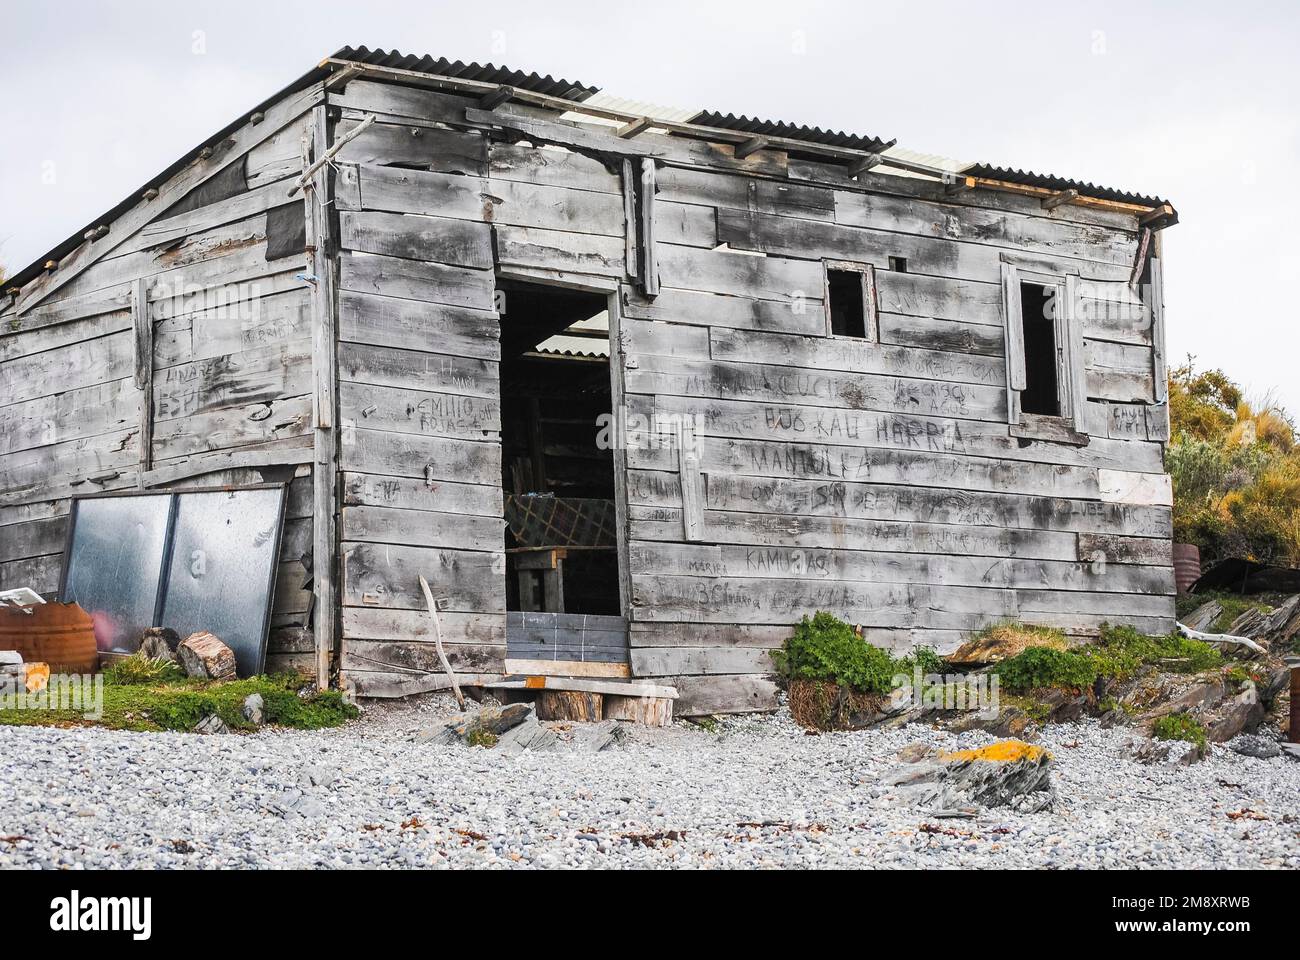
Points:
(631, 689)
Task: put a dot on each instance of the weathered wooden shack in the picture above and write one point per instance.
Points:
(633, 389)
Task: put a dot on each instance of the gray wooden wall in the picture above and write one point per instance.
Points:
(878, 481)
(230, 364)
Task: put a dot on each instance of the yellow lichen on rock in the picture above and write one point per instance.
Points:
(1004, 751)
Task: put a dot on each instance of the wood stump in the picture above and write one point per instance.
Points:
(651, 711)
(205, 657)
(570, 705)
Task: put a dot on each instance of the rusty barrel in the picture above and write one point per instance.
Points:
(1187, 565)
(1293, 731)
(62, 635)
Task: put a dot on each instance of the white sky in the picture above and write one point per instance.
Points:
(1194, 101)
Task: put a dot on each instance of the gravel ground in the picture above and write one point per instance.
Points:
(756, 792)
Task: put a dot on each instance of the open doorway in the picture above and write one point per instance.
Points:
(558, 481)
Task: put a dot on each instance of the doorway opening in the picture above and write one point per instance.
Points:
(558, 478)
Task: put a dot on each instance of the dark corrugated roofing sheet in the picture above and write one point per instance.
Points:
(484, 73)
(1049, 181)
(774, 128)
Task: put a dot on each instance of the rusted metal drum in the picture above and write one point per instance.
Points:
(62, 635)
(1187, 565)
(1293, 730)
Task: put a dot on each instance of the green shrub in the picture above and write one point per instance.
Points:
(925, 658)
(1044, 667)
(826, 648)
(1179, 726)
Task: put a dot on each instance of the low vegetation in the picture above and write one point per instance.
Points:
(1118, 654)
(1179, 726)
(825, 648)
(1236, 470)
(153, 695)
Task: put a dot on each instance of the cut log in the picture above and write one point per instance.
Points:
(651, 711)
(570, 705)
(205, 657)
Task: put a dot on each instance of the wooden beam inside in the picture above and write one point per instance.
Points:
(494, 99)
(752, 145)
(632, 128)
(1056, 200)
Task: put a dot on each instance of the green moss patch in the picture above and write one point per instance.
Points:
(158, 700)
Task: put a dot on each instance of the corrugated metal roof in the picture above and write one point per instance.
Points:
(1052, 182)
(579, 93)
(484, 73)
(776, 128)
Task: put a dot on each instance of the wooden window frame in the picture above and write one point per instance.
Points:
(1068, 426)
(870, 301)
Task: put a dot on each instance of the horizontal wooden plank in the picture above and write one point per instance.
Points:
(411, 325)
(403, 410)
(552, 166)
(851, 355)
(884, 567)
(385, 575)
(790, 281)
(421, 658)
(429, 148)
(415, 626)
(724, 600)
(827, 464)
(763, 529)
(20, 541)
(233, 380)
(82, 412)
(69, 367)
(460, 243)
(721, 310)
(255, 323)
(714, 189)
(37, 573)
(230, 427)
(699, 661)
(557, 250)
(741, 693)
(968, 224)
(417, 192)
(415, 369)
(422, 528)
(726, 380)
(801, 497)
(428, 458)
(365, 489)
(417, 280)
(802, 423)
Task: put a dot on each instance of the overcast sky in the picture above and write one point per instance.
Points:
(1194, 101)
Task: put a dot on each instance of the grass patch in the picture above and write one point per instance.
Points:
(482, 738)
(1118, 654)
(139, 670)
(1180, 726)
(1233, 604)
(1120, 651)
(1001, 641)
(161, 701)
(1040, 667)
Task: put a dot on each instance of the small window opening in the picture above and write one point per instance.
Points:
(1042, 393)
(898, 264)
(847, 293)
